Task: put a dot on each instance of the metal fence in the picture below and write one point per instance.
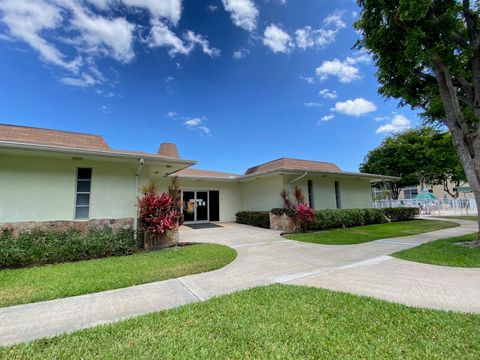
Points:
(433, 207)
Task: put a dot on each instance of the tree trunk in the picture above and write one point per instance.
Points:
(465, 138)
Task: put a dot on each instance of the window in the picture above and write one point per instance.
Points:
(310, 194)
(82, 198)
(337, 195)
(410, 192)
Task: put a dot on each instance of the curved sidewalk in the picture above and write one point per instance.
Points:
(264, 257)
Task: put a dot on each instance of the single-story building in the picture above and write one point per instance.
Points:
(61, 176)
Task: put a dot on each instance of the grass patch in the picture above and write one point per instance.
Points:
(361, 234)
(19, 286)
(461, 217)
(444, 252)
(278, 321)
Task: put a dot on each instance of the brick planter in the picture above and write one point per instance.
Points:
(83, 226)
(160, 241)
(284, 223)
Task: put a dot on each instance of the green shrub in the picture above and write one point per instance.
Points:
(338, 218)
(401, 214)
(40, 247)
(281, 211)
(254, 218)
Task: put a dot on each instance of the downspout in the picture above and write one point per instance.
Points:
(295, 180)
(135, 219)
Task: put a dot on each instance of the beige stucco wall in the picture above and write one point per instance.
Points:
(230, 193)
(354, 193)
(43, 188)
(262, 193)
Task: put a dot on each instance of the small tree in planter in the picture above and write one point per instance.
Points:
(305, 215)
(294, 216)
(159, 219)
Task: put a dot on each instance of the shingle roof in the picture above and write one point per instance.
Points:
(38, 136)
(205, 173)
(294, 164)
(67, 140)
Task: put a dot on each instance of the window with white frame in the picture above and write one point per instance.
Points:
(82, 196)
(310, 194)
(338, 198)
(410, 192)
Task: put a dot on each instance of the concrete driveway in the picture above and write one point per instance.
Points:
(264, 257)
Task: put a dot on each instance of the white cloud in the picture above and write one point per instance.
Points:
(26, 19)
(341, 70)
(167, 9)
(212, 8)
(307, 37)
(83, 80)
(111, 37)
(398, 123)
(105, 109)
(328, 94)
(193, 122)
(162, 36)
(327, 117)
(335, 19)
(357, 107)
(345, 71)
(240, 53)
(243, 13)
(197, 124)
(196, 39)
(308, 79)
(74, 34)
(277, 39)
(312, 104)
(381, 118)
(172, 114)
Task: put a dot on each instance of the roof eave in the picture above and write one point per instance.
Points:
(100, 153)
(209, 178)
(373, 177)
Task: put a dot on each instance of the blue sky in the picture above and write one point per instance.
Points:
(233, 83)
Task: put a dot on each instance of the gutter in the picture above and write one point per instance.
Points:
(103, 153)
(141, 162)
(296, 179)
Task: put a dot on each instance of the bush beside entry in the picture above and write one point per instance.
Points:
(159, 218)
(254, 218)
(331, 218)
(40, 247)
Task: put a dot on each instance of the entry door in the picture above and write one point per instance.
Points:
(195, 206)
(202, 206)
(188, 206)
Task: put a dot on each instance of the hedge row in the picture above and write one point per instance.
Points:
(337, 218)
(333, 218)
(254, 218)
(40, 247)
(401, 214)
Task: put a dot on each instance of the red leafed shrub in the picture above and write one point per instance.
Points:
(157, 212)
(304, 214)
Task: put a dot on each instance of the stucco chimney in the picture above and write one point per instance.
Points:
(168, 150)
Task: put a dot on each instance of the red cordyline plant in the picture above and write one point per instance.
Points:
(157, 213)
(304, 214)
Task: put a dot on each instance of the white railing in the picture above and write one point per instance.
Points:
(434, 207)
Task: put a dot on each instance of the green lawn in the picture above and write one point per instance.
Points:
(461, 217)
(18, 286)
(361, 234)
(444, 252)
(278, 321)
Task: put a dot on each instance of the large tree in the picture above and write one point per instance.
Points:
(418, 156)
(428, 56)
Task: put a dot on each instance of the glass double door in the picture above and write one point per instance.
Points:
(195, 206)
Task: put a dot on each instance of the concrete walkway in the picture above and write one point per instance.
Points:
(264, 257)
